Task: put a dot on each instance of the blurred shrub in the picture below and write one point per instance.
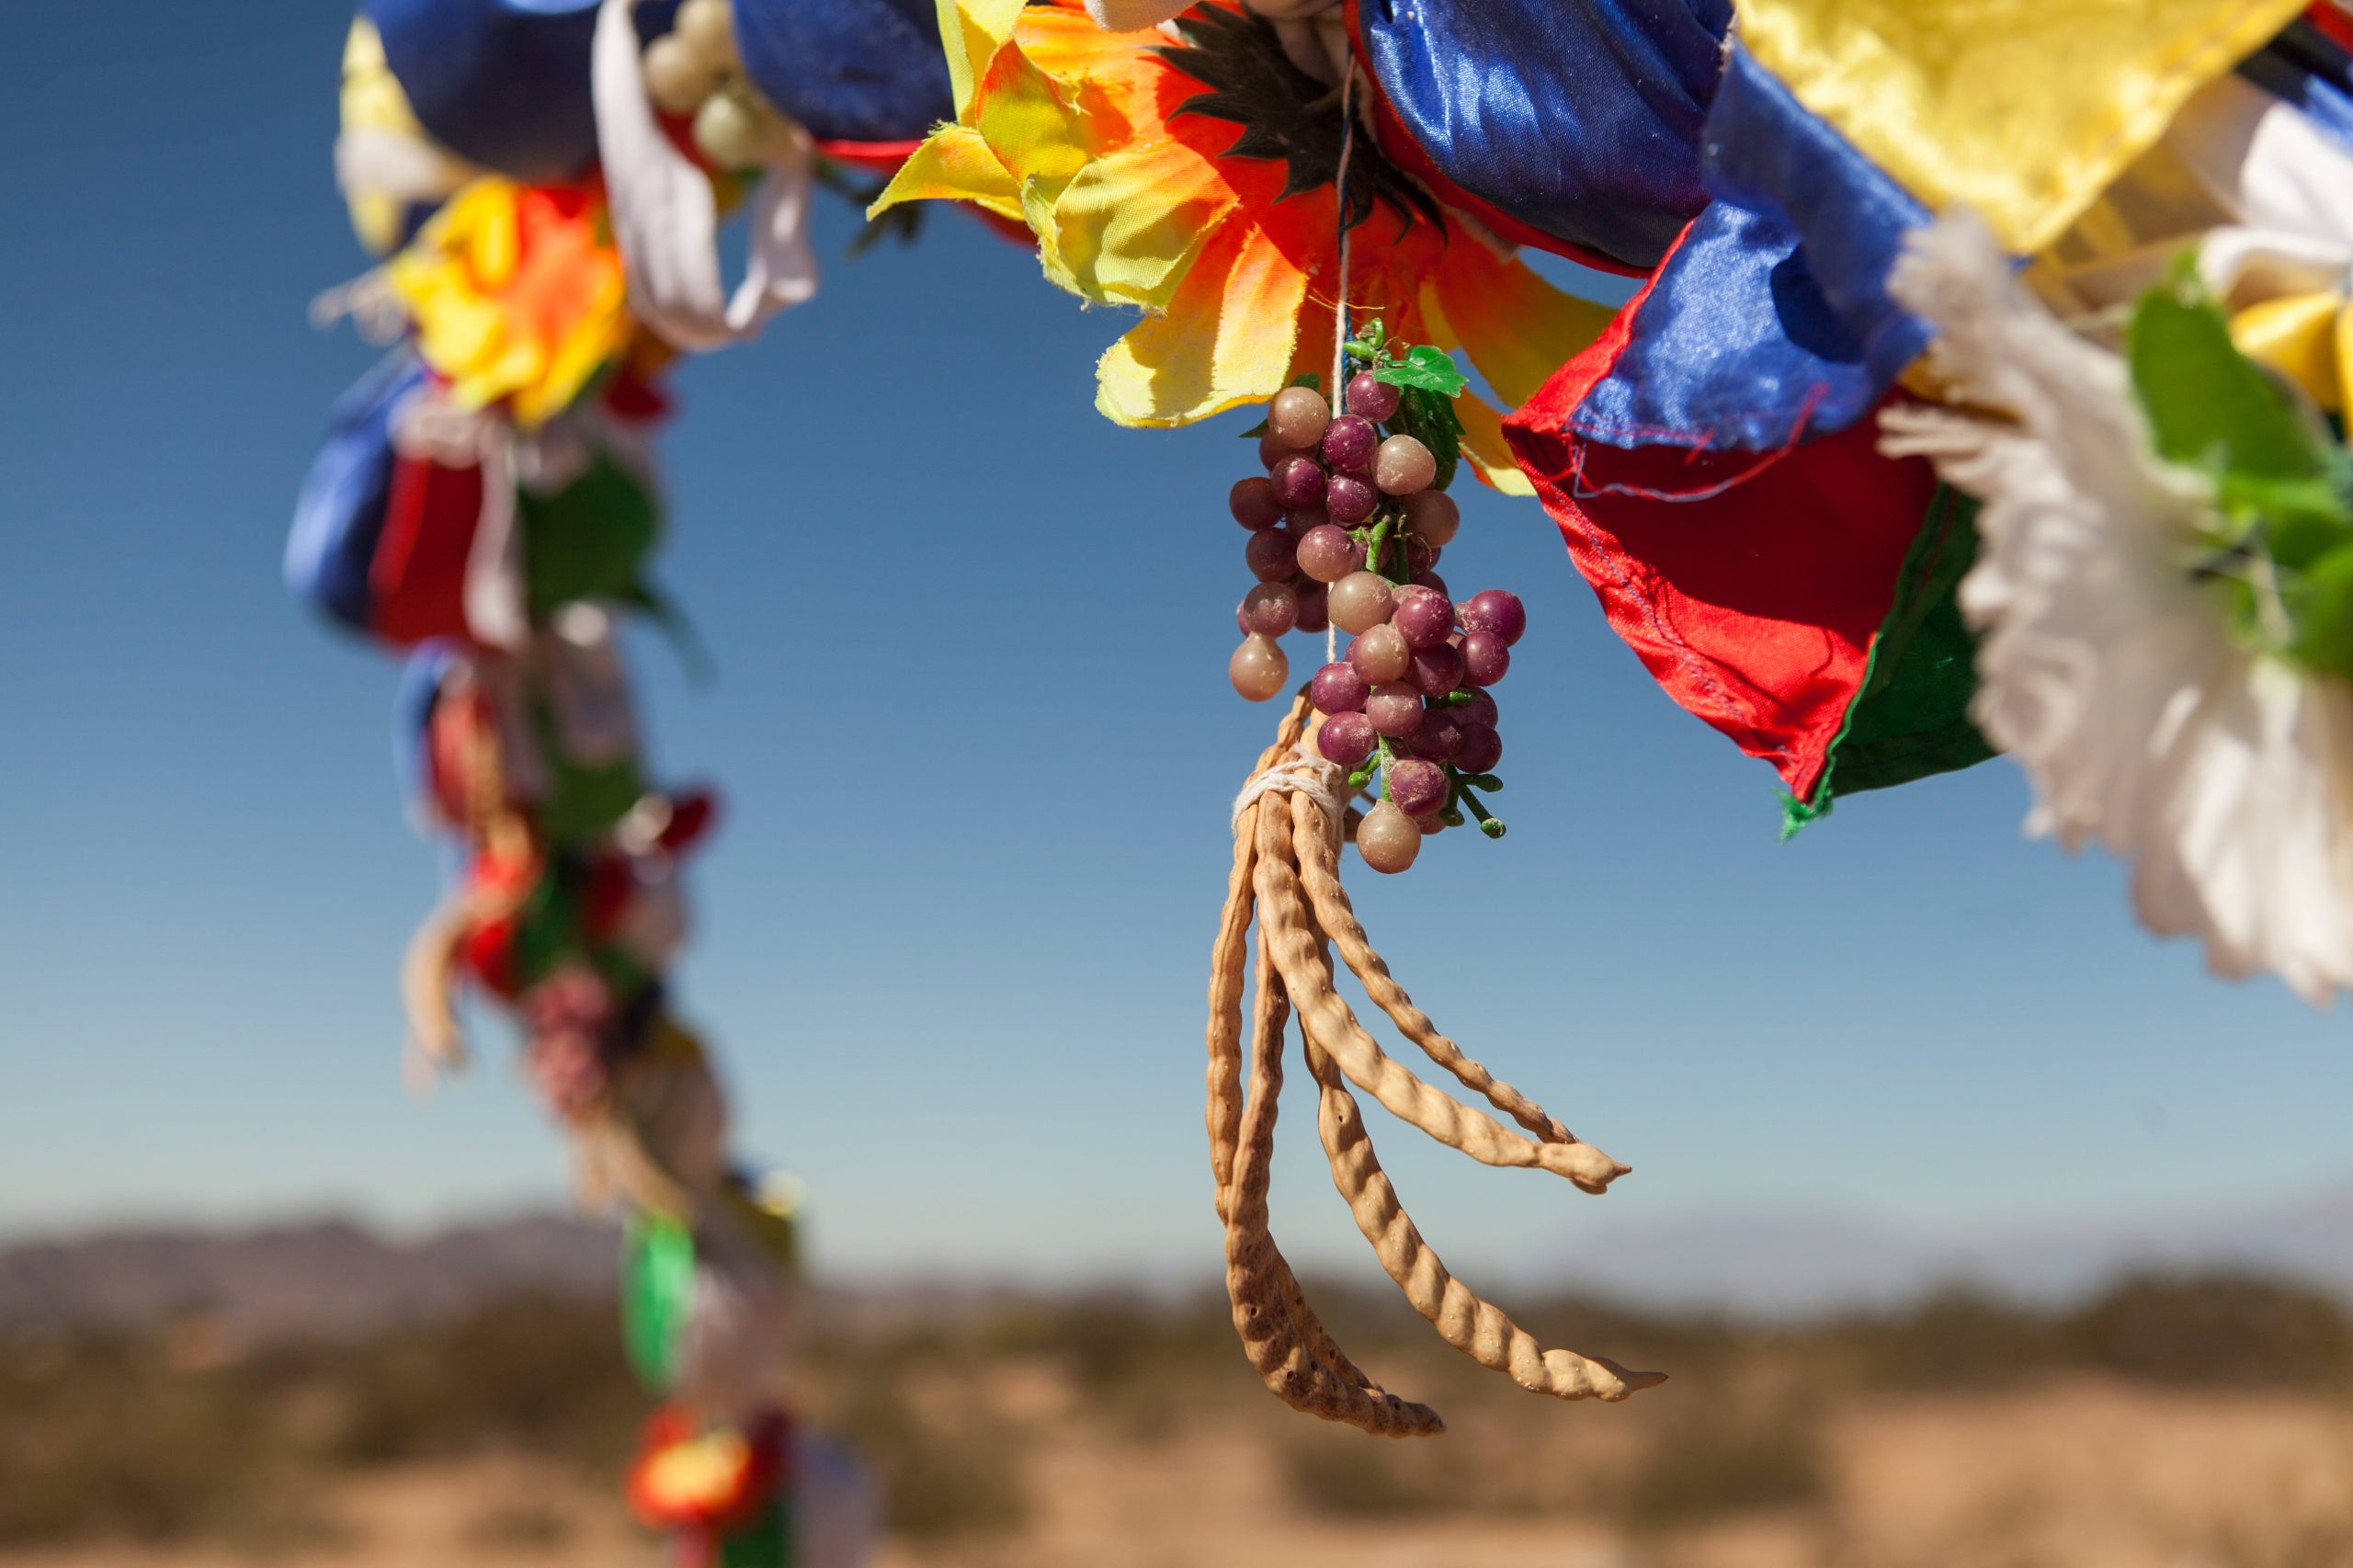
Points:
(105, 1438)
(2235, 1332)
(540, 1376)
(1702, 1466)
(937, 1482)
(1956, 1339)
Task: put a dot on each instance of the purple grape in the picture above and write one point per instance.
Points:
(1299, 519)
(1252, 503)
(1369, 395)
(1433, 516)
(1420, 556)
(1349, 443)
(1298, 481)
(1484, 658)
(1337, 688)
(1272, 451)
(1350, 499)
(1272, 555)
(1479, 749)
(1345, 738)
(1329, 554)
(1416, 788)
(1435, 671)
(1497, 611)
(1401, 465)
(1430, 580)
(1423, 616)
(1395, 710)
(1381, 655)
(1241, 618)
(1480, 709)
(1314, 606)
(1270, 608)
(1437, 739)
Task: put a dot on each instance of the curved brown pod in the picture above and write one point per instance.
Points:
(1285, 881)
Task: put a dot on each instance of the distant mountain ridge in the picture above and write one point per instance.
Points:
(327, 1277)
(335, 1277)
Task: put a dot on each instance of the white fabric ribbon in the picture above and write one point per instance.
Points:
(667, 221)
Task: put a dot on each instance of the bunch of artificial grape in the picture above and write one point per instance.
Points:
(1332, 486)
(692, 71)
(1346, 531)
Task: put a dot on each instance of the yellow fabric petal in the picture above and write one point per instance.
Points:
(975, 30)
(955, 164)
(1484, 444)
(2297, 337)
(1129, 224)
(1517, 328)
(1225, 339)
(1021, 115)
(2022, 111)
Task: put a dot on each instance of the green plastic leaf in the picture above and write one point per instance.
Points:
(1426, 368)
(2321, 603)
(2209, 406)
(657, 1294)
(1428, 416)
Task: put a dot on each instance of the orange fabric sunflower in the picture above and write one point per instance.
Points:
(1190, 172)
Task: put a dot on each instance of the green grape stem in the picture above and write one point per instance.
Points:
(1489, 824)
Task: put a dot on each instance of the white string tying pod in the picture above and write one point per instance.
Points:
(1340, 302)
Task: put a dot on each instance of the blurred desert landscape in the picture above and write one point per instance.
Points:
(316, 1396)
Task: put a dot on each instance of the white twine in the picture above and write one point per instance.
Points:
(1298, 774)
(1340, 307)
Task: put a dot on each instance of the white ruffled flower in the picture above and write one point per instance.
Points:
(2106, 667)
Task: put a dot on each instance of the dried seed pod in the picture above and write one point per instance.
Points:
(1319, 873)
(1475, 1326)
(1285, 874)
(1284, 925)
(1267, 1303)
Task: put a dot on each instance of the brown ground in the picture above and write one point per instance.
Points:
(2085, 1472)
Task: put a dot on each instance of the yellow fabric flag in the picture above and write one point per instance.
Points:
(2024, 110)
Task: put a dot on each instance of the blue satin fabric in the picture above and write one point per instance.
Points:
(503, 83)
(1578, 117)
(848, 70)
(339, 516)
(1770, 321)
(2305, 67)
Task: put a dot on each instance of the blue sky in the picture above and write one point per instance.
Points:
(972, 726)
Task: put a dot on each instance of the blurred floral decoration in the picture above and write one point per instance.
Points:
(545, 183)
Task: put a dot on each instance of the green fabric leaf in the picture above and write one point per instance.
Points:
(1428, 416)
(767, 1540)
(2211, 407)
(657, 1294)
(583, 801)
(1911, 717)
(588, 541)
(1427, 368)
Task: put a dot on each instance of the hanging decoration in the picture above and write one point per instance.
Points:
(1982, 391)
(487, 502)
(1218, 169)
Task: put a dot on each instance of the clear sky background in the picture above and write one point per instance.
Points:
(973, 730)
